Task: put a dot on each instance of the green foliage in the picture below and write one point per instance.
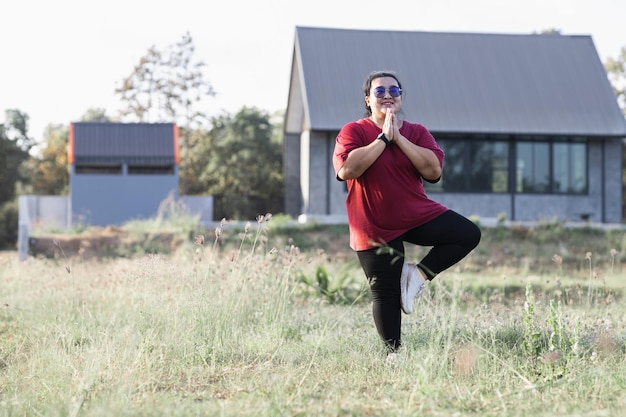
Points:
(244, 169)
(196, 149)
(50, 173)
(339, 289)
(14, 147)
(531, 344)
(551, 354)
(238, 161)
(8, 224)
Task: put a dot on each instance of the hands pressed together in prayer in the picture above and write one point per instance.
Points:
(390, 126)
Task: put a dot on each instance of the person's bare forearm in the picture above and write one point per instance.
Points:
(360, 159)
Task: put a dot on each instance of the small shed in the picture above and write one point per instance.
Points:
(121, 171)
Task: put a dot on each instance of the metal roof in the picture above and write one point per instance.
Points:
(104, 142)
(456, 82)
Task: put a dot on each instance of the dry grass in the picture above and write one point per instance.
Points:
(206, 331)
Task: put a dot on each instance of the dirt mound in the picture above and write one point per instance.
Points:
(101, 242)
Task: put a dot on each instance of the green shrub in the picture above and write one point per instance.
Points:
(9, 217)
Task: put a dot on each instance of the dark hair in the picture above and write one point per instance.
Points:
(367, 85)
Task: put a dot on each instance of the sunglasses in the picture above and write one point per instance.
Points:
(379, 92)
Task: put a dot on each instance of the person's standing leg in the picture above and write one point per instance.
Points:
(382, 268)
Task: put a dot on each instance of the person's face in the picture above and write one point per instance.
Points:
(381, 96)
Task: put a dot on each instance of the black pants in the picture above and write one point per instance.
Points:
(451, 236)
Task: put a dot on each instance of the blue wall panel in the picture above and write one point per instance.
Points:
(103, 200)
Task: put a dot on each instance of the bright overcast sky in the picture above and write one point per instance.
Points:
(63, 57)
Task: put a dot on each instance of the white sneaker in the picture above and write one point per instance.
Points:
(411, 285)
(395, 358)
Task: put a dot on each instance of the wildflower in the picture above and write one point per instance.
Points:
(199, 240)
(218, 232)
(557, 260)
(264, 218)
(613, 253)
(588, 255)
(247, 228)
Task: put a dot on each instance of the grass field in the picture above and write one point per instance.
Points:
(533, 323)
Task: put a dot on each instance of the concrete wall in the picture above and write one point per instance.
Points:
(49, 212)
(201, 205)
(291, 174)
(613, 182)
(45, 211)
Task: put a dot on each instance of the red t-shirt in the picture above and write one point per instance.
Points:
(388, 199)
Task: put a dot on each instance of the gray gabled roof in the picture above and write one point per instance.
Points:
(137, 143)
(456, 82)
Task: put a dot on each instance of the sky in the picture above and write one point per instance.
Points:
(60, 58)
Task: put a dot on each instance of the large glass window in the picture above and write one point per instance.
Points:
(488, 167)
(473, 166)
(570, 168)
(533, 167)
(478, 165)
(551, 167)
(453, 178)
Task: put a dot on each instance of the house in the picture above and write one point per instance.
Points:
(121, 171)
(530, 125)
(118, 172)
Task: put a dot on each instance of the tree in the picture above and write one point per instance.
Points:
(15, 145)
(616, 70)
(49, 174)
(244, 169)
(96, 114)
(166, 86)
(199, 146)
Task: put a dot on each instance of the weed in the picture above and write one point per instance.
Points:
(531, 344)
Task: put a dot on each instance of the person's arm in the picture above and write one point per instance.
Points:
(360, 159)
(423, 159)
